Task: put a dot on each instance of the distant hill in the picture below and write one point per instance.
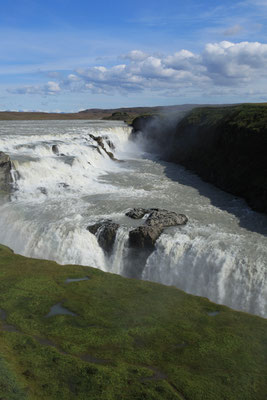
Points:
(126, 114)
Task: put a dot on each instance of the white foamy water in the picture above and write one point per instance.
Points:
(221, 253)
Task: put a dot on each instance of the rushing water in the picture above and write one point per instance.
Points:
(221, 253)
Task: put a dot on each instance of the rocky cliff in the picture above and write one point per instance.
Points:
(226, 146)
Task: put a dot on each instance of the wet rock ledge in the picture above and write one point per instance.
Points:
(142, 239)
(5, 171)
(105, 232)
(145, 236)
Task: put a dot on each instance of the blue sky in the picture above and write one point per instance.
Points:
(66, 55)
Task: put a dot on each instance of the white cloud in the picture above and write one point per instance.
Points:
(223, 66)
(50, 88)
(232, 63)
(135, 55)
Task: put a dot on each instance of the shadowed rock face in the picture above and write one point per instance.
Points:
(225, 146)
(106, 234)
(5, 168)
(147, 234)
(142, 239)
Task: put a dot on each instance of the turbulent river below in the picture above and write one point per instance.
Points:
(63, 182)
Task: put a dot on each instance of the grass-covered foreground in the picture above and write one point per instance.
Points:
(129, 340)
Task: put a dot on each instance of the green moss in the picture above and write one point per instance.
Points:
(249, 116)
(130, 339)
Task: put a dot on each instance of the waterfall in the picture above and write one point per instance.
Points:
(213, 264)
(63, 180)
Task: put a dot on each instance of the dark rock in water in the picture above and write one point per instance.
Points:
(142, 239)
(111, 145)
(43, 190)
(136, 213)
(109, 142)
(111, 155)
(4, 158)
(99, 140)
(5, 174)
(94, 228)
(158, 217)
(144, 236)
(64, 185)
(55, 149)
(165, 218)
(106, 233)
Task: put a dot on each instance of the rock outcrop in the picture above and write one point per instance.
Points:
(5, 171)
(100, 141)
(136, 213)
(165, 218)
(105, 232)
(143, 238)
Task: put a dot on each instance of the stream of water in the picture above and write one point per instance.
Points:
(220, 254)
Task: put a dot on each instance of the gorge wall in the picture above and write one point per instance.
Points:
(225, 146)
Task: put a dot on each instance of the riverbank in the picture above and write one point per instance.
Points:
(225, 146)
(124, 339)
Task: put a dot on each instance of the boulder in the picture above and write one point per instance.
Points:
(106, 234)
(165, 218)
(136, 213)
(55, 149)
(144, 237)
(5, 171)
(157, 217)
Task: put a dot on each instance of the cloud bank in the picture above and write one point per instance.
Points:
(222, 67)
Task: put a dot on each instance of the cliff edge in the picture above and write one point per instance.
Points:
(226, 146)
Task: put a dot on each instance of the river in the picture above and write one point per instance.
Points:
(58, 191)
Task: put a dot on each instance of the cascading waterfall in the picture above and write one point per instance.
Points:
(64, 181)
(212, 264)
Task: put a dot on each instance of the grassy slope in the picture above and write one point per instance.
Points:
(249, 116)
(142, 340)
